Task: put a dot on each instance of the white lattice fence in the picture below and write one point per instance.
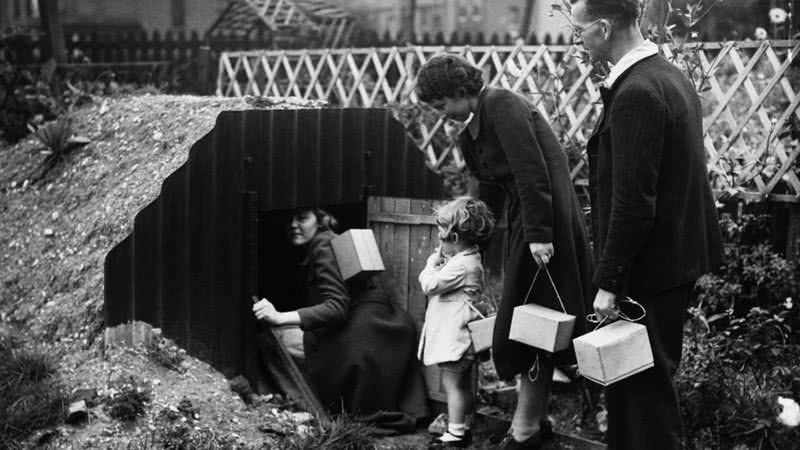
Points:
(749, 90)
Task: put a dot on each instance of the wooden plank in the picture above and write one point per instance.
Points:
(400, 256)
(387, 247)
(420, 247)
(401, 218)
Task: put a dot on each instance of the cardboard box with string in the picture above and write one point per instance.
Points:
(481, 330)
(615, 350)
(541, 327)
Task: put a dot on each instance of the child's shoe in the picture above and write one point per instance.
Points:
(448, 440)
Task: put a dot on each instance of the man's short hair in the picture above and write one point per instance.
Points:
(622, 12)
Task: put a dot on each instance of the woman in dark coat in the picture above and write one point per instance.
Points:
(509, 144)
(358, 349)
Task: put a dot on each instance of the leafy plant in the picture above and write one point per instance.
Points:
(24, 96)
(128, 399)
(741, 344)
(31, 394)
(166, 353)
(54, 136)
(340, 433)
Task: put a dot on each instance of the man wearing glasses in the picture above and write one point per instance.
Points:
(654, 219)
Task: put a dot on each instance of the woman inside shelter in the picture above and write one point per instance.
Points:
(357, 348)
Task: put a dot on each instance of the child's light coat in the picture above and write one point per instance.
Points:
(459, 280)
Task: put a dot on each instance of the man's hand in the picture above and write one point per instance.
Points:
(605, 305)
(265, 310)
(542, 252)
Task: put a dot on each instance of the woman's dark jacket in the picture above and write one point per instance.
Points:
(509, 144)
(360, 348)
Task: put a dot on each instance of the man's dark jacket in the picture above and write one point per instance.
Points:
(654, 218)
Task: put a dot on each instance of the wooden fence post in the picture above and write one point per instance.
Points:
(206, 72)
(793, 232)
(51, 22)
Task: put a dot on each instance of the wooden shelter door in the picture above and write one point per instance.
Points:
(406, 234)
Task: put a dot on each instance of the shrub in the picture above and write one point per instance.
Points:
(54, 136)
(340, 433)
(742, 343)
(23, 95)
(31, 395)
(129, 398)
(166, 353)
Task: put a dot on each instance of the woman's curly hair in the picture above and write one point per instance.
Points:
(465, 219)
(443, 74)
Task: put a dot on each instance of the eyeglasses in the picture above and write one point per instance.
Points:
(577, 31)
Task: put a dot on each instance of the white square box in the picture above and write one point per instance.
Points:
(540, 327)
(357, 252)
(614, 352)
(481, 331)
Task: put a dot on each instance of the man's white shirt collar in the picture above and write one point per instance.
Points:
(646, 50)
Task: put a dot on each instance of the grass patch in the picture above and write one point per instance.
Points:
(31, 394)
(340, 433)
(129, 399)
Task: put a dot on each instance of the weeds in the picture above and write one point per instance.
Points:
(341, 433)
(129, 398)
(31, 395)
(166, 353)
(56, 139)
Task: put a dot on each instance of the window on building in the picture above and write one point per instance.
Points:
(178, 8)
(514, 15)
(462, 13)
(34, 5)
(513, 20)
(477, 15)
(436, 22)
(17, 9)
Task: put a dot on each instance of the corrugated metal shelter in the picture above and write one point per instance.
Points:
(216, 233)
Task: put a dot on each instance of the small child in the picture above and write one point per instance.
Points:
(453, 278)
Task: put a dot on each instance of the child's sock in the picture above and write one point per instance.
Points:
(455, 432)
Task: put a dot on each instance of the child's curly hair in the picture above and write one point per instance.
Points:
(464, 219)
(443, 74)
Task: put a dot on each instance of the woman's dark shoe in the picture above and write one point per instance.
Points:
(534, 442)
(444, 442)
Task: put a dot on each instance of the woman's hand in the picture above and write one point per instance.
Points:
(542, 252)
(265, 310)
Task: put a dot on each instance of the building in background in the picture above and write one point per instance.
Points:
(19, 14)
(460, 16)
(125, 15)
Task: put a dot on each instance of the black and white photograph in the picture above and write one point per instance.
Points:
(400, 224)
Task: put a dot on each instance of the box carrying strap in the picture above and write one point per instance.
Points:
(552, 283)
(469, 303)
(592, 318)
(533, 372)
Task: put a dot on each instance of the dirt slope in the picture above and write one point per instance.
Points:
(54, 236)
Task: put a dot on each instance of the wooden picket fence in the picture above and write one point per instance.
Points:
(749, 92)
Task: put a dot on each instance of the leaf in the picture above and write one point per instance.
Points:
(717, 317)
